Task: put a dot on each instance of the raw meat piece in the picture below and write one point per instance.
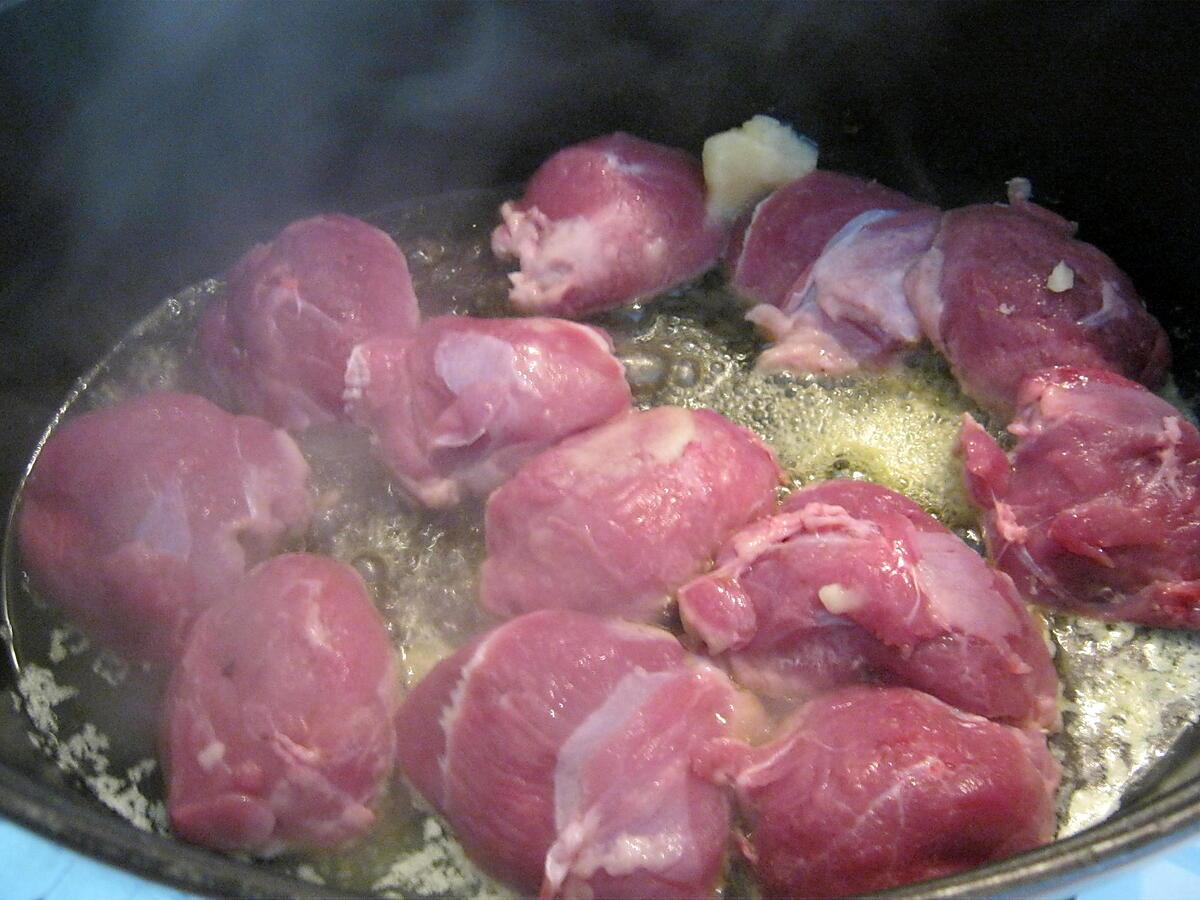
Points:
(605, 223)
(788, 231)
(850, 310)
(277, 342)
(139, 515)
(458, 407)
(1006, 291)
(825, 259)
(870, 788)
(615, 519)
(279, 726)
(1097, 509)
(808, 340)
(852, 582)
(560, 748)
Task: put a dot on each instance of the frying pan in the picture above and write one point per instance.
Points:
(144, 145)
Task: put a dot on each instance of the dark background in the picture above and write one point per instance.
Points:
(144, 145)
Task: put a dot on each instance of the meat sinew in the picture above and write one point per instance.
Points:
(615, 519)
(277, 342)
(850, 310)
(787, 231)
(825, 259)
(1006, 291)
(139, 515)
(560, 747)
(870, 788)
(458, 407)
(852, 582)
(279, 722)
(604, 223)
(1097, 509)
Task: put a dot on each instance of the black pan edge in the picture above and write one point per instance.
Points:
(1051, 870)
(104, 837)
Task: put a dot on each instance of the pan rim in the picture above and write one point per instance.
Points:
(1120, 840)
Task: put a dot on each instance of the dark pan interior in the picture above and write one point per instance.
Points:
(144, 145)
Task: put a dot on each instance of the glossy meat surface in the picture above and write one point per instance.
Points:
(277, 342)
(279, 731)
(788, 231)
(851, 582)
(560, 747)
(850, 309)
(604, 223)
(615, 519)
(137, 516)
(1097, 509)
(871, 788)
(994, 294)
(824, 258)
(459, 406)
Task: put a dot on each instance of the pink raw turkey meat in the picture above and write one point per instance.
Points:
(277, 342)
(1097, 508)
(615, 519)
(459, 406)
(560, 748)
(1006, 291)
(604, 223)
(851, 582)
(824, 258)
(870, 788)
(139, 515)
(279, 723)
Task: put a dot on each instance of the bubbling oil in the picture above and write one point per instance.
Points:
(1130, 692)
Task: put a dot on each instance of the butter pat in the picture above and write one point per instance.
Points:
(743, 165)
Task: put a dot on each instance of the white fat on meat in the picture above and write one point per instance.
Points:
(1061, 278)
(922, 285)
(1112, 306)
(450, 714)
(601, 825)
(555, 256)
(578, 818)
(956, 583)
(860, 274)
(357, 377)
(212, 754)
(464, 360)
(164, 527)
(839, 600)
(664, 443)
(850, 308)
(1170, 468)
